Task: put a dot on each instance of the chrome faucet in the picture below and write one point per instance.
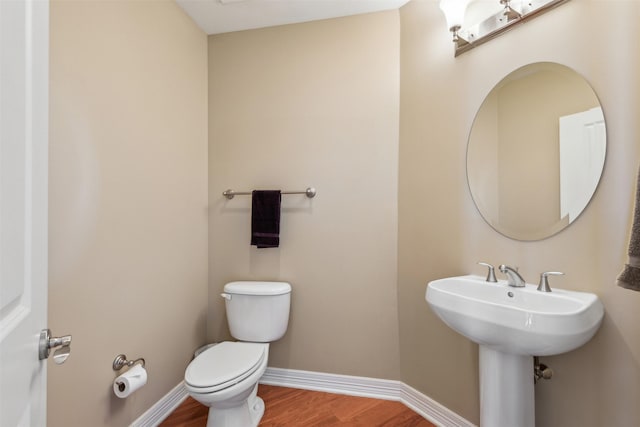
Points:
(514, 278)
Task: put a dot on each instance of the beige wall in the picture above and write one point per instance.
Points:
(128, 202)
(314, 104)
(441, 233)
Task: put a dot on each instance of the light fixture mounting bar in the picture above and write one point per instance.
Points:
(497, 24)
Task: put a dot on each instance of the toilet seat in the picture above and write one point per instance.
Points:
(224, 365)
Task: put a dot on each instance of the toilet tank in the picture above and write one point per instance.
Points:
(257, 311)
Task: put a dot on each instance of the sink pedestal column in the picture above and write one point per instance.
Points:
(506, 389)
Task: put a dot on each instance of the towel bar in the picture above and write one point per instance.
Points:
(229, 194)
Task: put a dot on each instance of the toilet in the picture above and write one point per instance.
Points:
(225, 376)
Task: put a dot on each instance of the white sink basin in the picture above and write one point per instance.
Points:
(520, 321)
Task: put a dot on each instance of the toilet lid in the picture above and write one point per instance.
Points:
(224, 365)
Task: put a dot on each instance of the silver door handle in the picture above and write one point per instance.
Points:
(47, 342)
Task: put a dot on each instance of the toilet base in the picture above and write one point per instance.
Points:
(248, 414)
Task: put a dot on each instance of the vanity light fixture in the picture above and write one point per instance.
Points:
(511, 13)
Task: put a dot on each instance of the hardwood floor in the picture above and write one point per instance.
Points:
(304, 408)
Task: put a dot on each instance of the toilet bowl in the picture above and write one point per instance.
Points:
(225, 376)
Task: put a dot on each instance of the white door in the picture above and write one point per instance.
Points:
(583, 139)
(24, 39)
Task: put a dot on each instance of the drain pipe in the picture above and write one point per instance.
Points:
(540, 370)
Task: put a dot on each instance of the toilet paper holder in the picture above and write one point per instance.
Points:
(121, 361)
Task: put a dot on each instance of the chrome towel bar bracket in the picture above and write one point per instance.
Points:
(310, 192)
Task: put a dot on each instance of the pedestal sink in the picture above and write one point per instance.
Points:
(511, 325)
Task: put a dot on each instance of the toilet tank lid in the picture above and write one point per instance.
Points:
(257, 288)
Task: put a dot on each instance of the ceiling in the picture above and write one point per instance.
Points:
(223, 16)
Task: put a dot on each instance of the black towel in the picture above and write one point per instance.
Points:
(265, 218)
(630, 276)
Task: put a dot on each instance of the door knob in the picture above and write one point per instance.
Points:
(47, 342)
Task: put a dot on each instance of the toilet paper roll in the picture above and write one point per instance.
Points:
(130, 381)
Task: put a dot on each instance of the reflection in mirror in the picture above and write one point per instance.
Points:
(536, 151)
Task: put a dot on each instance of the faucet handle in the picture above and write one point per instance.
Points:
(491, 274)
(544, 282)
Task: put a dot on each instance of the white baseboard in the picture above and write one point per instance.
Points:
(162, 408)
(333, 383)
(430, 409)
(330, 383)
(366, 387)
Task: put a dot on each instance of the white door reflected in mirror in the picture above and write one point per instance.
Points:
(583, 142)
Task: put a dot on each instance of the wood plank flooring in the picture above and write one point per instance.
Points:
(304, 408)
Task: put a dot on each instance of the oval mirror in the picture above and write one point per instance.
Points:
(536, 151)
